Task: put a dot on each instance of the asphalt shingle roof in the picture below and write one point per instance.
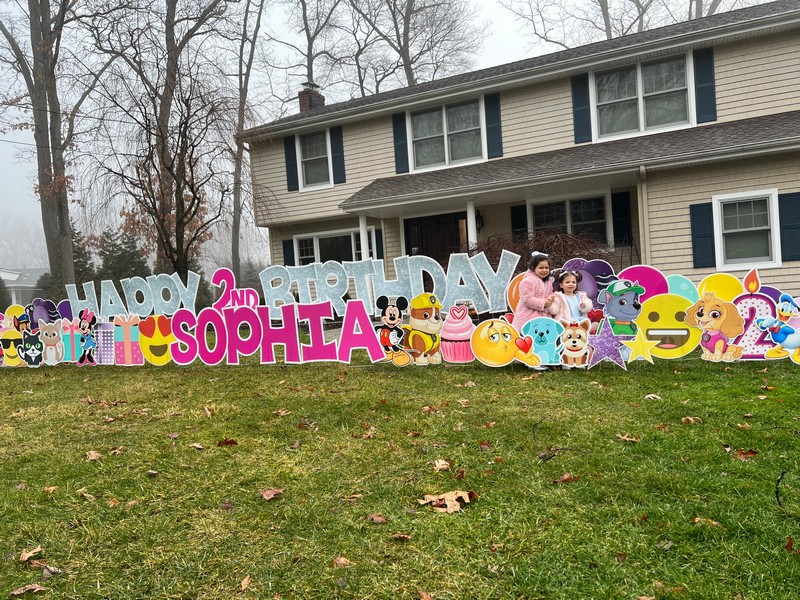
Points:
(660, 149)
(717, 21)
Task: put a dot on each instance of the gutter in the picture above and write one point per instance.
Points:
(644, 210)
(523, 77)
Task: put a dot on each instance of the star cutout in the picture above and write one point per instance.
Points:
(640, 346)
(605, 346)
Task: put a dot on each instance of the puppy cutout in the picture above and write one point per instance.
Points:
(720, 322)
(545, 334)
(575, 343)
(423, 332)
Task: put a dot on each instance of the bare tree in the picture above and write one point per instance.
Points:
(52, 76)
(568, 23)
(169, 93)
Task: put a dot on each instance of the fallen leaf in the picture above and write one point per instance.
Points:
(93, 455)
(566, 478)
(459, 474)
(790, 546)
(227, 442)
(21, 486)
(108, 419)
(628, 438)
(132, 503)
(31, 587)
(116, 450)
(661, 427)
(26, 554)
(665, 544)
(50, 490)
(762, 397)
(496, 547)
(424, 595)
(270, 493)
(646, 598)
(745, 455)
(430, 409)
(622, 557)
(82, 493)
(352, 497)
(173, 435)
(441, 465)
(485, 445)
(413, 433)
(281, 412)
(463, 403)
(246, 583)
(704, 521)
(743, 425)
(226, 505)
(197, 446)
(152, 473)
(727, 448)
(377, 519)
(652, 397)
(470, 384)
(210, 410)
(747, 416)
(113, 503)
(401, 537)
(490, 424)
(341, 561)
(691, 420)
(449, 501)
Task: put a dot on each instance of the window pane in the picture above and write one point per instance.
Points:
(664, 75)
(618, 117)
(426, 124)
(339, 248)
(552, 217)
(591, 209)
(465, 145)
(463, 116)
(357, 237)
(595, 230)
(313, 145)
(665, 109)
(315, 171)
(747, 246)
(745, 214)
(429, 152)
(616, 85)
(305, 249)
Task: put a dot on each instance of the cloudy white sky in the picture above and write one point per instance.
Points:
(21, 237)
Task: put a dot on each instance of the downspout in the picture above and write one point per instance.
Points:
(644, 220)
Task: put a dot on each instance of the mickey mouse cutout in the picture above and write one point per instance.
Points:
(389, 331)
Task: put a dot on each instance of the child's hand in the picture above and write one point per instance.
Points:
(548, 302)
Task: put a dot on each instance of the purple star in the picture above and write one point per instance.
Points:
(605, 346)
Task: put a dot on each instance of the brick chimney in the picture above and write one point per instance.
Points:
(309, 97)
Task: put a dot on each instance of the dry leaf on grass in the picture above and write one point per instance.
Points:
(93, 455)
(227, 442)
(282, 412)
(743, 425)
(377, 519)
(341, 561)
(210, 410)
(116, 450)
(27, 554)
(108, 419)
(485, 445)
(245, 583)
(113, 503)
(441, 465)
(790, 546)
(270, 493)
(31, 587)
(424, 595)
(691, 420)
(430, 409)
(459, 474)
(50, 490)
(197, 446)
(628, 438)
(352, 497)
(704, 521)
(449, 501)
(400, 536)
(132, 503)
(652, 397)
(566, 478)
(490, 423)
(745, 455)
(463, 403)
(83, 493)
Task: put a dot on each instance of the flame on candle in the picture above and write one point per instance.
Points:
(751, 281)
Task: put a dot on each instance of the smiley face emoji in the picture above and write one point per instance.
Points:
(11, 341)
(495, 343)
(155, 336)
(662, 321)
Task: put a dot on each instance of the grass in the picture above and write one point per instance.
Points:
(199, 527)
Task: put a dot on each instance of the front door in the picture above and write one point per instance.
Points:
(437, 236)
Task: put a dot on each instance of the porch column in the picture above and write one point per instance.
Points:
(364, 237)
(472, 229)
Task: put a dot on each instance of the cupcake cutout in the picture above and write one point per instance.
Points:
(456, 334)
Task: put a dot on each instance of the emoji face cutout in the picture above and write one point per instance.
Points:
(496, 344)
(155, 336)
(662, 321)
(11, 341)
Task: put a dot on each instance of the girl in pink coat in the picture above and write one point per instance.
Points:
(568, 303)
(535, 292)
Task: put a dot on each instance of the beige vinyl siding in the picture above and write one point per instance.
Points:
(537, 119)
(758, 77)
(670, 194)
(391, 245)
(368, 155)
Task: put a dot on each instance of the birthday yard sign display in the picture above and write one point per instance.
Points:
(638, 314)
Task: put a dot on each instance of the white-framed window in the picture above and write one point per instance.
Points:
(314, 160)
(746, 230)
(590, 215)
(643, 97)
(447, 135)
(342, 245)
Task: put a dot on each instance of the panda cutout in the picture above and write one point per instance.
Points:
(389, 331)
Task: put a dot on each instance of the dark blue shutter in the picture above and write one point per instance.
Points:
(519, 220)
(704, 90)
(494, 132)
(621, 218)
(789, 215)
(581, 109)
(378, 244)
(288, 253)
(290, 155)
(701, 217)
(400, 143)
(337, 155)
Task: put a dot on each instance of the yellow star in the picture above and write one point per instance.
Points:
(640, 347)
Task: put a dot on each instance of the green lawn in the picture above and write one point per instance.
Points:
(673, 515)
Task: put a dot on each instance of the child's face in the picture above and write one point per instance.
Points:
(542, 269)
(570, 284)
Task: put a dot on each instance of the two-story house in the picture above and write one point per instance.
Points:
(683, 142)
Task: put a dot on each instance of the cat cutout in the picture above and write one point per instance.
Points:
(50, 334)
(32, 349)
